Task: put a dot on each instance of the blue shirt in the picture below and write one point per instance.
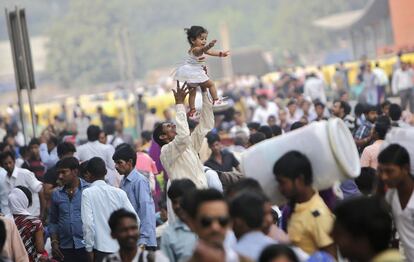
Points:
(138, 191)
(252, 244)
(65, 217)
(178, 242)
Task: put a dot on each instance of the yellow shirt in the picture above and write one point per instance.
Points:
(310, 225)
(389, 255)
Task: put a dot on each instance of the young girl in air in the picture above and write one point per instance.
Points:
(194, 70)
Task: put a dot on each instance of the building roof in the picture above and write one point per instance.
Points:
(374, 11)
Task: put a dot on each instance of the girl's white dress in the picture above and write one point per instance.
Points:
(192, 71)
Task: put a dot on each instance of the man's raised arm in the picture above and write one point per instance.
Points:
(206, 122)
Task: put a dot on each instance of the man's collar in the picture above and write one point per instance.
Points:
(133, 175)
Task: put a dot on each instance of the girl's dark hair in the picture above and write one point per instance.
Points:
(277, 250)
(194, 32)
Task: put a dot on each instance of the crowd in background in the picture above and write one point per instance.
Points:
(89, 192)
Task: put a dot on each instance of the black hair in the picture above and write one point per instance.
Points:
(68, 162)
(367, 180)
(158, 131)
(319, 103)
(191, 124)
(394, 154)
(23, 150)
(96, 167)
(212, 138)
(3, 234)
(116, 217)
(253, 125)
(146, 135)
(179, 187)
(34, 141)
(83, 169)
(395, 112)
(198, 197)
(382, 125)
(153, 110)
(93, 133)
(3, 145)
(256, 138)
(277, 250)
(5, 155)
(194, 32)
(385, 103)
(359, 109)
(262, 96)
(65, 148)
(292, 165)
(125, 152)
(370, 108)
(54, 140)
(267, 131)
(296, 125)
(245, 184)
(291, 102)
(248, 206)
(276, 130)
(27, 193)
(371, 221)
(162, 204)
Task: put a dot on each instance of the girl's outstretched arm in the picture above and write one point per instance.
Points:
(198, 51)
(218, 53)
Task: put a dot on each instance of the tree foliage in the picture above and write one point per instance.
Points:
(83, 46)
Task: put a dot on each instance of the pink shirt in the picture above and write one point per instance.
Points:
(145, 163)
(369, 157)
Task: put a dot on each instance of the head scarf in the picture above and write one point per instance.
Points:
(18, 202)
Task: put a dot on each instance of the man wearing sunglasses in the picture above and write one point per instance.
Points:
(209, 219)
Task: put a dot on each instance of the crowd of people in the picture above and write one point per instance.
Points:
(84, 192)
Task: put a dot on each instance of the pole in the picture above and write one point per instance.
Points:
(26, 70)
(225, 43)
(16, 76)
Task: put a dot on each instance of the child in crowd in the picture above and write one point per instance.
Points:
(194, 70)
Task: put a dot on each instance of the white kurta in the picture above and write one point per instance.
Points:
(180, 157)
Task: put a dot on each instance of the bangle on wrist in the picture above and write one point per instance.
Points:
(220, 54)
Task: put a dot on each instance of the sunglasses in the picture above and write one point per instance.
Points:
(207, 221)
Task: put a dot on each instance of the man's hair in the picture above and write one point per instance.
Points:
(266, 130)
(27, 193)
(296, 125)
(116, 217)
(382, 125)
(68, 162)
(248, 206)
(256, 138)
(359, 109)
(54, 140)
(245, 184)
(366, 217)
(93, 133)
(212, 138)
(395, 112)
(96, 167)
(370, 108)
(319, 103)
(146, 135)
(34, 141)
(277, 250)
(196, 198)
(276, 130)
(394, 154)
(293, 165)
(3, 234)
(65, 148)
(367, 180)
(179, 187)
(158, 131)
(125, 152)
(344, 105)
(5, 155)
(385, 103)
(253, 125)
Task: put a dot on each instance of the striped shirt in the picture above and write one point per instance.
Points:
(28, 226)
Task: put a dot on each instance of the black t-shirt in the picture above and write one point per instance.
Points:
(51, 176)
(229, 161)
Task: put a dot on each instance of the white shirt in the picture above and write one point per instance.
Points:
(49, 159)
(20, 177)
(237, 129)
(315, 89)
(382, 78)
(180, 157)
(402, 80)
(97, 149)
(261, 114)
(404, 221)
(98, 203)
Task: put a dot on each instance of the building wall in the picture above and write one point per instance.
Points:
(402, 18)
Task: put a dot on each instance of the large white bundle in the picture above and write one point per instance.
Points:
(329, 145)
(404, 136)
